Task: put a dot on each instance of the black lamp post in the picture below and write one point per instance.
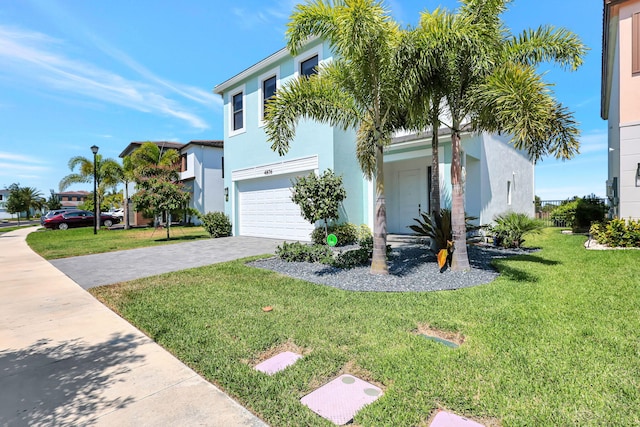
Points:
(96, 209)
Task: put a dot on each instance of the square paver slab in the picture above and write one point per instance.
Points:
(447, 419)
(278, 362)
(340, 400)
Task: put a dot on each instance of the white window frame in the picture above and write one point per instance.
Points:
(240, 89)
(307, 55)
(271, 73)
(509, 192)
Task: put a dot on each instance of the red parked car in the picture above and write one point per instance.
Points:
(78, 218)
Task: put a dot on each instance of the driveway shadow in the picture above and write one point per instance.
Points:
(63, 383)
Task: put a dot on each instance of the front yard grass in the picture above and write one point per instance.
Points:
(52, 244)
(554, 341)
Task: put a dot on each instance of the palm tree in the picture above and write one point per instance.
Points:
(33, 199)
(359, 89)
(107, 174)
(490, 84)
(149, 157)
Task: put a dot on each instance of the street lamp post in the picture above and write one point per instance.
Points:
(96, 209)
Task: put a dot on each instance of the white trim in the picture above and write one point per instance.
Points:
(240, 89)
(407, 155)
(273, 169)
(318, 50)
(271, 73)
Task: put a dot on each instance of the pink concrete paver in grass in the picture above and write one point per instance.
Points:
(447, 419)
(278, 362)
(340, 400)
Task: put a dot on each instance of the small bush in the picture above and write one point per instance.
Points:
(565, 214)
(511, 228)
(588, 210)
(352, 258)
(217, 224)
(301, 252)
(617, 233)
(346, 233)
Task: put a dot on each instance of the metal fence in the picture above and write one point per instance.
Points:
(545, 208)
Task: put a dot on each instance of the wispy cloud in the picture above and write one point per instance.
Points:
(594, 141)
(35, 57)
(277, 10)
(19, 158)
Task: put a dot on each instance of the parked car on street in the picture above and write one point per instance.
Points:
(118, 212)
(78, 218)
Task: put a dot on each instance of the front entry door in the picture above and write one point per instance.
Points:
(409, 200)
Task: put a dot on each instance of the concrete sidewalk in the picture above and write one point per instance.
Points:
(67, 360)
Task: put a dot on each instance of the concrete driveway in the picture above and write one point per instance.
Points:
(104, 269)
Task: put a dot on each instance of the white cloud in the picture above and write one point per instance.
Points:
(33, 57)
(280, 11)
(594, 141)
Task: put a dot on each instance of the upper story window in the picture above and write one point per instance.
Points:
(309, 66)
(635, 43)
(237, 109)
(238, 122)
(268, 90)
(268, 85)
(183, 163)
(307, 62)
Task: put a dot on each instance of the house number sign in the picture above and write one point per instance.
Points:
(268, 172)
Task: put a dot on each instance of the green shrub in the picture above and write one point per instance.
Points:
(301, 252)
(617, 233)
(346, 233)
(438, 227)
(352, 258)
(588, 210)
(319, 197)
(511, 227)
(565, 214)
(217, 224)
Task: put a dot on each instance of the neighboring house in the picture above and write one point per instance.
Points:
(71, 199)
(620, 104)
(4, 196)
(498, 177)
(201, 170)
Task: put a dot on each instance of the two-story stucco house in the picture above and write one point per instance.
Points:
(201, 171)
(620, 104)
(258, 181)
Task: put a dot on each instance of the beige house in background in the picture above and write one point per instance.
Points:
(620, 103)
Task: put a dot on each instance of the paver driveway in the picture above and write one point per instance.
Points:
(113, 267)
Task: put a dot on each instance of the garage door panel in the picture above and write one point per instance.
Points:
(266, 210)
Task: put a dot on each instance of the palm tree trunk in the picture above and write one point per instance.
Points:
(167, 214)
(435, 163)
(460, 259)
(125, 211)
(379, 257)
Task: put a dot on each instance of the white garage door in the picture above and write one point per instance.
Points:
(265, 209)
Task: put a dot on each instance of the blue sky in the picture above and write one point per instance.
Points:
(76, 73)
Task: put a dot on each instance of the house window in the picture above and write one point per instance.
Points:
(268, 90)
(309, 66)
(1, 196)
(509, 191)
(183, 163)
(635, 43)
(222, 166)
(238, 111)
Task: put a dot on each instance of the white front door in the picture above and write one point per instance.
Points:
(409, 199)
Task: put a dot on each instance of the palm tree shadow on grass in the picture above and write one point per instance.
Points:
(508, 270)
(62, 384)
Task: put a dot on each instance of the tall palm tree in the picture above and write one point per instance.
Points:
(107, 174)
(359, 89)
(491, 84)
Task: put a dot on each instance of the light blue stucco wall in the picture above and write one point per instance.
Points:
(354, 209)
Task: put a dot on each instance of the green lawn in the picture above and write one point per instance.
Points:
(555, 341)
(52, 244)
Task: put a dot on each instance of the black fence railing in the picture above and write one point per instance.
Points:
(545, 212)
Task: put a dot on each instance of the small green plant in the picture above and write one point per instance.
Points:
(346, 233)
(217, 224)
(301, 252)
(617, 233)
(565, 214)
(511, 227)
(353, 258)
(319, 197)
(589, 209)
